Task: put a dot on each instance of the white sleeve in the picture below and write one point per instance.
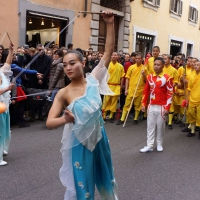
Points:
(100, 72)
(6, 69)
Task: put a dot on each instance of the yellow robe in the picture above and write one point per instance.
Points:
(172, 72)
(116, 72)
(194, 88)
(150, 65)
(133, 74)
(194, 100)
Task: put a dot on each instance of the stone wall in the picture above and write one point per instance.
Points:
(125, 18)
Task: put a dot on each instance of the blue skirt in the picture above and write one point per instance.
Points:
(94, 168)
(4, 133)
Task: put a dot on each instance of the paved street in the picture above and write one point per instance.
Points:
(34, 161)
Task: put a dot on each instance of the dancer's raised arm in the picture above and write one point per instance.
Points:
(110, 36)
(10, 54)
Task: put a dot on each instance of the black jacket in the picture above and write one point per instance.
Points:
(42, 65)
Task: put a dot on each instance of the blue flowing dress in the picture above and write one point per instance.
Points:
(5, 135)
(85, 151)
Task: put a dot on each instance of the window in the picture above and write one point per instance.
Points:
(155, 3)
(189, 49)
(113, 4)
(176, 7)
(193, 14)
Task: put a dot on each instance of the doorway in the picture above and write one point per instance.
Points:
(175, 47)
(42, 28)
(144, 43)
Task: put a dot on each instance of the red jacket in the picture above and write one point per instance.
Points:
(160, 90)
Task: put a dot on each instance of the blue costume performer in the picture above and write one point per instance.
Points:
(5, 87)
(85, 151)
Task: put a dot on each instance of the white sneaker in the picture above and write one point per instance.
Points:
(146, 149)
(2, 163)
(5, 153)
(159, 147)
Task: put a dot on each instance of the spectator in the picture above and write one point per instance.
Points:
(42, 65)
(90, 51)
(133, 56)
(64, 50)
(69, 46)
(57, 76)
(100, 55)
(55, 48)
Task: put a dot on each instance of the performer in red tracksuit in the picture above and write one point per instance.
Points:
(159, 88)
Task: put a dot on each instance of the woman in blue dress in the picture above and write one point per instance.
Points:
(5, 88)
(85, 151)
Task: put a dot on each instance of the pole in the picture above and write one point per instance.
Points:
(98, 13)
(132, 100)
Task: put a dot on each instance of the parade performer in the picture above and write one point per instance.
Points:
(184, 74)
(194, 100)
(150, 62)
(159, 87)
(132, 78)
(172, 72)
(5, 88)
(85, 151)
(115, 82)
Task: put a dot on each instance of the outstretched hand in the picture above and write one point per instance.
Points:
(108, 16)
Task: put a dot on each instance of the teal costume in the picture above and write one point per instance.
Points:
(86, 153)
(5, 134)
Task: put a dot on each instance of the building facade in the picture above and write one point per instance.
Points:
(173, 25)
(40, 21)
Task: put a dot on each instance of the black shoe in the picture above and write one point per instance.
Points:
(190, 134)
(111, 120)
(186, 129)
(196, 128)
(135, 122)
(23, 125)
(170, 127)
(119, 122)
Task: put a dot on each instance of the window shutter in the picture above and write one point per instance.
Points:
(181, 8)
(158, 3)
(172, 4)
(190, 12)
(196, 16)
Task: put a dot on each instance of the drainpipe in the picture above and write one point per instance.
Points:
(86, 2)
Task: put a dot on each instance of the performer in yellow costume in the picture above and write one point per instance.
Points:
(132, 78)
(185, 75)
(172, 72)
(115, 82)
(194, 100)
(150, 63)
